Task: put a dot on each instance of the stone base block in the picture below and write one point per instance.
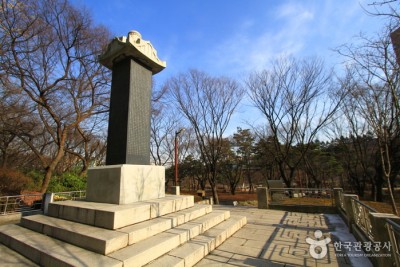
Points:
(262, 197)
(125, 184)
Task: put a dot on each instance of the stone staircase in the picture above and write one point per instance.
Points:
(170, 231)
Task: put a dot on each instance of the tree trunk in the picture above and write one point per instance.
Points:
(84, 169)
(50, 169)
(46, 180)
(251, 186)
(5, 159)
(379, 195)
(233, 188)
(373, 191)
(392, 200)
(214, 192)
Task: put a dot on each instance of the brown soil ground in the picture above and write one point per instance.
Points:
(382, 207)
(227, 197)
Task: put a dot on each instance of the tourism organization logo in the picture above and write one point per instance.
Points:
(319, 247)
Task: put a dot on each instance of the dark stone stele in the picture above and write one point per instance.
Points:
(128, 140)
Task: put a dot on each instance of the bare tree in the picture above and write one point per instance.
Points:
(294, 98)
(385, 8)
(230, 165)
(88, 143)
(163, 127)
(374, 88)
(208, 104)
(14, 118)
(50, 57)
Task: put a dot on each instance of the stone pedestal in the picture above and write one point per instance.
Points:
(262, 197)
(125, 184)
(176, 190)
(348, 207)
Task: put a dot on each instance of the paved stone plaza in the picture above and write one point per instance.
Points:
(278, 238)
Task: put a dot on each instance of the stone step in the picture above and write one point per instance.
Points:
(93, 238)
(151, 248)
(47, 251)
(10, 258)
(105, 241)
(112, 216)
(144, 230)
(197, 248)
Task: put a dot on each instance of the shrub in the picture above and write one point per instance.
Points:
(12, 182)
(69, 181)
(37, 178)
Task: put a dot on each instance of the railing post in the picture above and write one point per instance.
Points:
(393, 230)
(176, 190)
(349, 209)
(262, 197)
(47, 199)
(381, 236)
(5, 206)
(336, 194)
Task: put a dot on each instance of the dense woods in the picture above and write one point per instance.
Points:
(319, 128)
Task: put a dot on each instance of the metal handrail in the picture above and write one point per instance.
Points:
(18, 203)
(70, 195)
(30, 202)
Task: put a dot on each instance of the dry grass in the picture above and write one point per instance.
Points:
(382, 207)
(309, 201)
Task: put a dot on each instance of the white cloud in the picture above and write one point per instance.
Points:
(259, 41)
(294, 12)
(306, 28)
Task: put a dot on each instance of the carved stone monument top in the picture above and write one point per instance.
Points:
(132, 46)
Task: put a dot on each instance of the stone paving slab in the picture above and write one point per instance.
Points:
(10, 258)
(274, 238)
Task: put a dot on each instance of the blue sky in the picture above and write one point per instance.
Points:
(234, 37)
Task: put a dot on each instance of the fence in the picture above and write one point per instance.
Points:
(301, 196)
(71, 195)
(362, 221)
(32, 202)
(296, 199)
(20, 203)
(382, 230)
(394, 235)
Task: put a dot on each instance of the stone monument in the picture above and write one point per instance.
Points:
(126, 219)
(133, 61)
